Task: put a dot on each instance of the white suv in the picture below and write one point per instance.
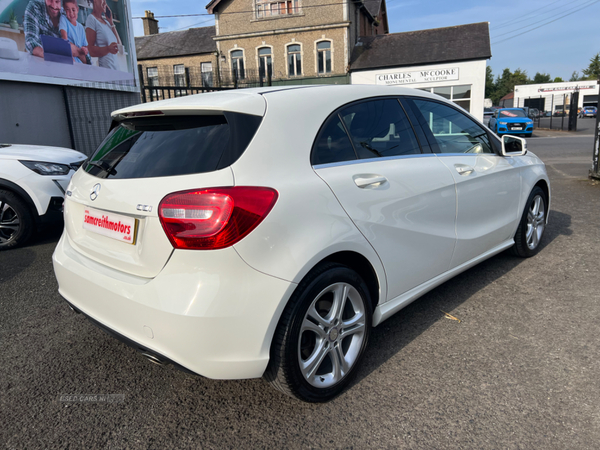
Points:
(33, 180)
(263, 232)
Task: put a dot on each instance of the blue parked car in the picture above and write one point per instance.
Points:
(511, 121)
(588, 111)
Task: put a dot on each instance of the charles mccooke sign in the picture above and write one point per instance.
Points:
(419, 76)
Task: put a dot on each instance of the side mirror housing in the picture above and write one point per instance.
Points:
(513, 146)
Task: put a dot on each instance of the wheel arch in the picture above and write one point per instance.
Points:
(361, 266)
(21, 193)
(543, 185)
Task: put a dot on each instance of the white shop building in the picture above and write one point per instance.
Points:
(554, 96)
(446, 61)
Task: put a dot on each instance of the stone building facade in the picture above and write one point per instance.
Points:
(308, 40)
(256, 42)
(176, 58)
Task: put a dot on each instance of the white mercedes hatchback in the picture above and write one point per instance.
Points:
(263, 232)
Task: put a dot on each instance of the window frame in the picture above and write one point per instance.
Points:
(204, 79)
(153, 92)
(287, 54)
(179, 80)
(269, 64)
(318, 53)
(263, 9)
(241, 73)
(433, 143)
(423, 146)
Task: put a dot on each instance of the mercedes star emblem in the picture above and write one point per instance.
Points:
(95, 191)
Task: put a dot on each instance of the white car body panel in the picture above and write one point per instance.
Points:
(152, 250)
(415, 209)
(215, 311)
(40, 188)
(488, 202)
(222, 333)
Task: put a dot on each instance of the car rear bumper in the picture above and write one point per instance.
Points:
(214, 318)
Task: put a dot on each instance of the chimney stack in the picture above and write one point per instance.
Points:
(150, 24)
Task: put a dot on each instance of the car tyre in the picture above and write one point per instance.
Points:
(532, 225)
(322, 335)
(16, 221)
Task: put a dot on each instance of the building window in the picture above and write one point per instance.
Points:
(266, 8)
(179, 78)
(152, 74)
(207, 75)
(461, 95)
(324, 56)
(294, 60)
(237, 65)
(265, 63)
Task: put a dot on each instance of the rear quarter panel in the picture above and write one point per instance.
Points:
(307, 223)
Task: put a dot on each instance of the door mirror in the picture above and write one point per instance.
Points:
(513, 146)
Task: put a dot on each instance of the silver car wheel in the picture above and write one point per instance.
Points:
(9, 223)
(331, 335)
(536, 222)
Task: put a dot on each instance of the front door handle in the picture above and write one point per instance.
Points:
(463, 169)
(369, 180)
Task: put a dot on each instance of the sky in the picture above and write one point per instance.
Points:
(546, 36)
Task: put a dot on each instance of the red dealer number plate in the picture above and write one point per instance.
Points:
(115, 226)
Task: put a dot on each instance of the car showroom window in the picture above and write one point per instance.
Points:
(459, 95)
(453, 131)
(332, 143)
(380, 128)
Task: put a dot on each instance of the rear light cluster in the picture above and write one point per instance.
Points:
(209, 219)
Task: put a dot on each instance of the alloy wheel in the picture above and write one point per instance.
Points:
(9, 223)
(331, 335)
(536, 222)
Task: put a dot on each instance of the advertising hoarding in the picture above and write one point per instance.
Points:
(69, 42)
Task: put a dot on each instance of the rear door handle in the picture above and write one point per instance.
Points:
(463, 169)
(369, 180)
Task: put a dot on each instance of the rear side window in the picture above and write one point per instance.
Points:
(380, 128)
(173, 145)
(332, 144)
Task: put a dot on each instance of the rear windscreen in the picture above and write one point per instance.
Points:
(172, 145)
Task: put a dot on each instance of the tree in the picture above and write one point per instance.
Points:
(575, 76)
(593, 70)
(559, 80)
(506, 83)
(540, 78)
(490, 87)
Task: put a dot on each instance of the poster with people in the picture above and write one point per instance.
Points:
(82, 40)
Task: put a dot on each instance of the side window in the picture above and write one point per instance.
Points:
(453, 131)
(332, 144)
(380, 128)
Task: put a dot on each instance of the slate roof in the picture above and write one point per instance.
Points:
(193, 41)
(373, 6)
(438, 45)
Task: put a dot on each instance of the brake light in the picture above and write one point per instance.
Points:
(209, 219)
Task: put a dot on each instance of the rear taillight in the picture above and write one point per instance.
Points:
(208, 219)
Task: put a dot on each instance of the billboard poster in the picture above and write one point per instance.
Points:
(74, 42)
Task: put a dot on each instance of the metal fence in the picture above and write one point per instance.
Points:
(552, 111)
(158, 83)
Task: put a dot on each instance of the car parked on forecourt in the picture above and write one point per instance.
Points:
(33, 180)
(588, 111)
(263, 232)
(511, 121)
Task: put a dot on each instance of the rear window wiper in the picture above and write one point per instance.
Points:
(103, 165)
